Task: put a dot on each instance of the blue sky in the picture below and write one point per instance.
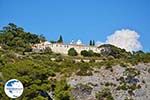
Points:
(79, 19)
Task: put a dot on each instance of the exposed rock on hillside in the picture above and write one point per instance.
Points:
(123, 83)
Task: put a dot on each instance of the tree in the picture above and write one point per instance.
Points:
(42, 38)
(10, 27)
(72, 52)
(60, 40)
(93, 44)
(84, 53)
(90, 43)
(15, 38)
(32, 74)
(116, 52)
(52, 41)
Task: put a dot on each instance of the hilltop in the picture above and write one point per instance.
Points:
(112, 74)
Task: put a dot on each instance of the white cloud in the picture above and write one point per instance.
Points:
(125, 38)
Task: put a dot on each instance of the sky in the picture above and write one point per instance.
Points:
(79, 19)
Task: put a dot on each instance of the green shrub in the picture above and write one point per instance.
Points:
(62, 90)
(130, 92)
(48, 50)
(84, 53)
(123, 65)
(89, 53)
(128, 99)
(59, 58)
(110, 84)
(131, 72)
(84, 69)
(92, 60)
(104, 94)
(84, 73)
(123, 86)
(72, 52)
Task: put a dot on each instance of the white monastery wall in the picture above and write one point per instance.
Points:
(63, 48)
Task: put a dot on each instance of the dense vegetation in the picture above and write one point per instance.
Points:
(110, 50)
(90, 53)
(40, 74)
(14, 37)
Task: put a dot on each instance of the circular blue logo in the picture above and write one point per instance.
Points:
(13, 88)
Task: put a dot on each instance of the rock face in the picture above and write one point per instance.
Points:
(82, 92)
(123, 82)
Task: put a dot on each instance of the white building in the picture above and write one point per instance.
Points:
(63, 48)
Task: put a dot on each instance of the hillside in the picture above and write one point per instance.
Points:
(118, 83)
(114, 74)
(15, 38)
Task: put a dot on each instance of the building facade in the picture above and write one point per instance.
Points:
(63, 48)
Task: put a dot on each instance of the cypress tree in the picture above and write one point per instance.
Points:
(93, 44)
(60, 40)
(90, 43)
